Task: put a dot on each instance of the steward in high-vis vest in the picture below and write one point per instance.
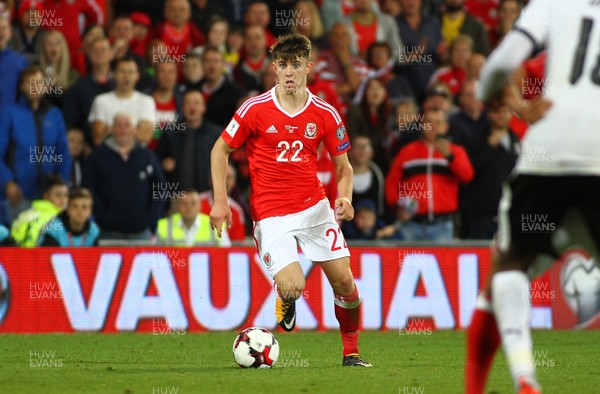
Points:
(27, 227)
(188, 227)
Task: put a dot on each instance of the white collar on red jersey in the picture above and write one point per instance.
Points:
(308, 101)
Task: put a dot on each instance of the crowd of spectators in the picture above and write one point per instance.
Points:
(118, 106)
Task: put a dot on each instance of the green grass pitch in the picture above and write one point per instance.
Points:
(431, 362)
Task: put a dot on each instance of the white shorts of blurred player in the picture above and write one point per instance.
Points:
(314, 230)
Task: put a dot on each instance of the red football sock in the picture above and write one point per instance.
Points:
(347, 313)
(483, 339)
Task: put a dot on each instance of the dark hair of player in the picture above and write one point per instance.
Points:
(291, 47)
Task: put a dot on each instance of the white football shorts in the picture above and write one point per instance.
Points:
(313, 230)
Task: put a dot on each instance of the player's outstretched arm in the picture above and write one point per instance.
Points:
(502, 63)
(343, 175)
(220, 212)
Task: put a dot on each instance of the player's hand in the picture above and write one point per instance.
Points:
(529, 111)
(343, 209)
(533, 110)
(495, 137)
(442, 145)
(219, 214)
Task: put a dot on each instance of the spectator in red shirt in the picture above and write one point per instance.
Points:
(367, 26)
(455, 73)
(254, 60)
(257, 13)
(508, 13)
(340, 65)
(64, 15)
(422, 184)
(484, 10)
(168, 102)
(177, 32)
(141, 33)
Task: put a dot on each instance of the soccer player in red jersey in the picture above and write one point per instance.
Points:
(282, 129)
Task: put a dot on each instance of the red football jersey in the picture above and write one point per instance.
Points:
(282, 151)
(326, 174)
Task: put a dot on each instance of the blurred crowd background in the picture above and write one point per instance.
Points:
(109, 110)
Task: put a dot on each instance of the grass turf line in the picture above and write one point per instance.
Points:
(568, 362)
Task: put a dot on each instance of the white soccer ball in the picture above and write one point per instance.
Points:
(255, 347)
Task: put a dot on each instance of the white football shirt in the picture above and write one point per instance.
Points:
(106, 105)
(566, 141)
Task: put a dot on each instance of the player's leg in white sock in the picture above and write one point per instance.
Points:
(512, 307)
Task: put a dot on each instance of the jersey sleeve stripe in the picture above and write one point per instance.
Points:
(537, 47)
(250, 101)
(329, 108)
(326, 104)
(253, 100)
(243, 112)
